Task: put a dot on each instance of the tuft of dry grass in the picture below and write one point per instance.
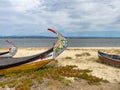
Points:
(25, 80)
(68, 57)
(83, 54)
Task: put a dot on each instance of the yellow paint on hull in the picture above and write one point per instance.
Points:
(29, 66)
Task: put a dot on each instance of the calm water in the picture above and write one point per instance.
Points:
(30, 42)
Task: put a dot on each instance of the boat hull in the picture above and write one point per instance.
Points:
(34, 61)
(24, 67)
(109, 60)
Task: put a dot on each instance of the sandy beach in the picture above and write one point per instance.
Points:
(87, 58)
(84, 58)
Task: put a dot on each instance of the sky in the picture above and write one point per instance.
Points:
(72, 18)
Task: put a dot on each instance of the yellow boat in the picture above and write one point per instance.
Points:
(34, 61)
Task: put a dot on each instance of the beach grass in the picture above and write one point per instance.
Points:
(25, 80)
(64, 75)
(83, 54)
(68, 57)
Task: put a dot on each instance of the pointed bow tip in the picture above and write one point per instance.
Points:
(52, 30)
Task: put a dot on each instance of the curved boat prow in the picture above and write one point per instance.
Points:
(35, 61)
(12, 51)
(60, 45)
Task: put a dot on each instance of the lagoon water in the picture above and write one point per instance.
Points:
(72, 42)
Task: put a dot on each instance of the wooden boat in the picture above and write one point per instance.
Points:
(35, 61)
(12, 51)
(113, 60)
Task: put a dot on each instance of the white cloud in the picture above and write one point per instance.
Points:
(67, 16)
(26, 5)
(97, 14)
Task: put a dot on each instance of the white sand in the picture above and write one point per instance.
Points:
(83, 62)
(91, 62)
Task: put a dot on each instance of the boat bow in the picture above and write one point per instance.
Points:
(60, 45)
(12, 51)
(34, 61)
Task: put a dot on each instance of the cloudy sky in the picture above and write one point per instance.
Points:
(82, 18)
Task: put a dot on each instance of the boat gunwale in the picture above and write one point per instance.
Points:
(99, 54)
